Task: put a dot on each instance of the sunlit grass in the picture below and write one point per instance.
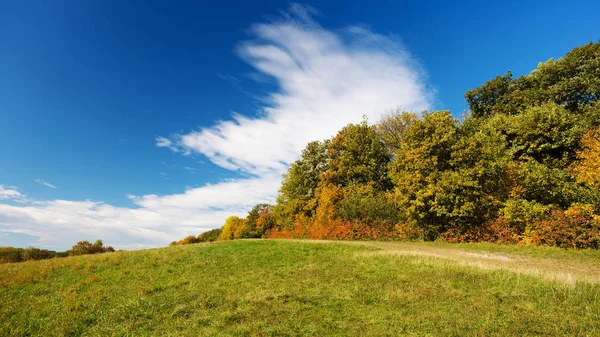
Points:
(290, 288)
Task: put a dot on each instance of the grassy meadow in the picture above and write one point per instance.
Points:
(306, 288)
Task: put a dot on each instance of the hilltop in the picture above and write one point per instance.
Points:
(306, 288)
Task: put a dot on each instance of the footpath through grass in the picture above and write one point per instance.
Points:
(292, 288)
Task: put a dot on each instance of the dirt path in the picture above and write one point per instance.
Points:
(567, 271)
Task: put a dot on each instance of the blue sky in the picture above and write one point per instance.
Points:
(140, 122)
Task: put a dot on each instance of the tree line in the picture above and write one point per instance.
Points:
(522, 167)
(12, 254)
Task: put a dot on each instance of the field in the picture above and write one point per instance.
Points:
(306, 288)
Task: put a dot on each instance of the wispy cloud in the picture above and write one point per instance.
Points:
(325, 79)
(11, 193)
(229, 78)
(165, 142)
(45, 183)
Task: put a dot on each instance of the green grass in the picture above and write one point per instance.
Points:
(292, 288)
(591, 255)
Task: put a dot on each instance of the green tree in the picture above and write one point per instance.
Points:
(548, 134)
(302, 178)
(572, 82)
(364, 203)
(300, 183)
(445, 176)
(425, 153)
(492, 97)
(357, 156)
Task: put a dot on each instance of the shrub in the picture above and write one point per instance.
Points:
(520, 213)
(574, 228)
(497, 231)
(85, 247)
(407, 232)
(277, 233)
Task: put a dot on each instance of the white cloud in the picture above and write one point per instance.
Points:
(325, 80)
(45, 183)
(11, 193)
(165, 142)
(155, 221)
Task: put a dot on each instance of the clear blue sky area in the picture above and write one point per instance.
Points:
(87, 86)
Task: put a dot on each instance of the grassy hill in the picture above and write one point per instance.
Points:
(290, 288)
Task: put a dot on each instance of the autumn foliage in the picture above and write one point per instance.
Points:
(523, 167)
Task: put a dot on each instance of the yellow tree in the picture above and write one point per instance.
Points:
(231, 228)
(587, 168)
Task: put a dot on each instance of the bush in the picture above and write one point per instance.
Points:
(85, 247)
(497, 231)
(520, 213)
(574, 228)
(407, 232)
